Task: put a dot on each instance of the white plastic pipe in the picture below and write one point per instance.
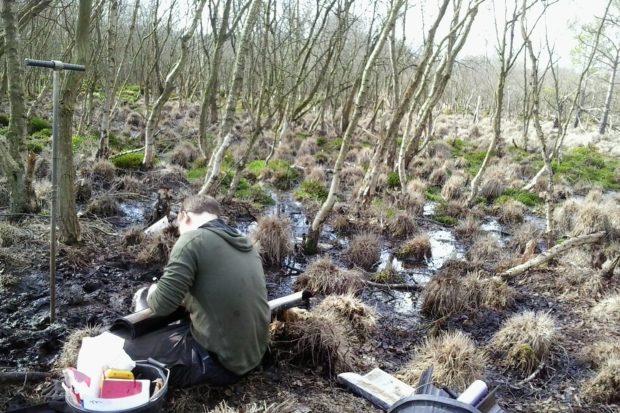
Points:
(474, 393)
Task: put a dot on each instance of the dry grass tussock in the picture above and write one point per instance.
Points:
(104, 206)
(103, 173)
(129, 183)
(601, 351)
(454, 187)
(155, 249)
(415, 203)
(83, 190)
(11, 235)
(71, 348)
(438, 177)
(455, 359)
(133, 236)
(564, 215)
(313, 339)
(592, 217)
(605, 386)
(447, 295)
(317, 174)
(440, 150)
(7, 281)
(415, 186)
(595, 195)
(525, 340)
(492, 185)
(341, 224)
(351, 175)
(171, 176)
(360, 319)
(322, 276)
(286, 406)
(364, 250)
(401, 226)
(510, 213)
(308, 146)
(416, 249)
(523, 234)
(184, 154)
(468, 229)
(273, 237)
(485, 249)
(608, 309)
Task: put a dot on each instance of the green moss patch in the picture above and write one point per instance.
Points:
(311, 190)
(4, 119)
(37, 124)
(589, 165)
(446, 220)
(130, 94)
(129, 160)
(80, 141)
(433, 194)
(278, 171)
(525, 197)
(253, 193)
(196, 173)
(393, 180)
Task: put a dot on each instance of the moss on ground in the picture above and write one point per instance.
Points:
(196, 173)
(129, 160)
(589, 165)
(282, 175)
(253, 193)
(393, 180)
(4, 119)
(79, 142)
(527, 198)
(465, 150)
(130, 94)
(446, 220)
(37, 124)
(433, 193)
(311, 190)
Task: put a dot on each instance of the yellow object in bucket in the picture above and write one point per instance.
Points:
(118, 374)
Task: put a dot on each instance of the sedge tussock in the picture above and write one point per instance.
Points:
(455, 359)
(273, 237)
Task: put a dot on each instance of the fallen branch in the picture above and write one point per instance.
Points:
(126, 152)
(22, 376)
(552, 253)
(608, 268)
(401, 287)
(532, 376)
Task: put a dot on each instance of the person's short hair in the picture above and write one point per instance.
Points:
(199, 204)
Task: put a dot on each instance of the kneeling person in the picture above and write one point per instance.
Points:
(216, 273)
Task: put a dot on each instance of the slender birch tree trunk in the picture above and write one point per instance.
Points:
(610, 92)
(153, 118)
(69, 225)
(109, 84)
(360, 100)
(11, 162)
(226, 130)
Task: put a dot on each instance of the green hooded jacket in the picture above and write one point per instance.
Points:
(216, 273)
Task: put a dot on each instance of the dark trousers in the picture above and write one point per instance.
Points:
(188, 362)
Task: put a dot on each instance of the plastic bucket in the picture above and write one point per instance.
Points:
(425, 403)
(149, 370)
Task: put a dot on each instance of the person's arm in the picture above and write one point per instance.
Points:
(177, 279)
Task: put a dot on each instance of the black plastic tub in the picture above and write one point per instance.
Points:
(426, 403)
(149, 370)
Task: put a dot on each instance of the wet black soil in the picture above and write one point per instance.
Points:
(95, 287)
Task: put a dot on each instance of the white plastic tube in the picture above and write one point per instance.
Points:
(474, 393)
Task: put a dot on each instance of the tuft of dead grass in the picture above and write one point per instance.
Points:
(525, 340)
(7, 281)
(485, 249)
(103, 173)
(133, 236)
(364, 250)
(492, 185)
(129, 183)
(360, 319)
(351, 175)
(104, 206)
(184, 154)
(455, 358)
(468, 229)
(317, 173)
(438, 177)
(591, 217)
(608, 309)
(510, 213)
(522, 235)
(564, 215)
(273, 238)
(601, 351)
(83, 190)
(155, 249)
(451, 294)
(322, 276)
(314, 340)
(605, 386)
(71, 347)
(416, 249)
(286, 406)
(401, 226)
(10, 235)
(454, 187)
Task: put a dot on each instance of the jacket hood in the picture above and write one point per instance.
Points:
(230, 234)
